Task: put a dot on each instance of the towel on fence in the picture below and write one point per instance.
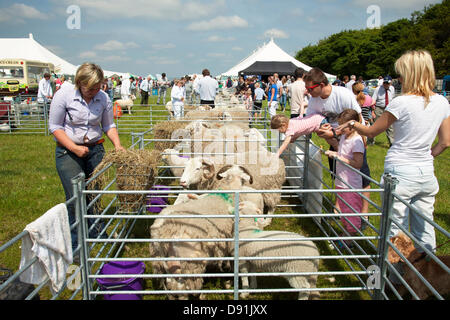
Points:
(48, 239)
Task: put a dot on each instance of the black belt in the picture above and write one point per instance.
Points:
(91, 144)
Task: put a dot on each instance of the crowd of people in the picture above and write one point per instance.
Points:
(346, 117)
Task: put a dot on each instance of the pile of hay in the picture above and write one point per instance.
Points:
(134, 170)
(164, 130)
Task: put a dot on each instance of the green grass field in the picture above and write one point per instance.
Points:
(30, 186)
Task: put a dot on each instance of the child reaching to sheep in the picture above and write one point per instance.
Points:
(350, 151)
(296, 127)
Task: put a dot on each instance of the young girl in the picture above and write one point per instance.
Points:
(296, 127)
(350, 151)
(248, 102)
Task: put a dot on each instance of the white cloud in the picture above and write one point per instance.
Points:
(220, 39)
(88, 55)
(114, 58)
(112, 45)
(216, 55)
(276, 33)
(220, 22)
(156, 9)
(20, 12)
(163, 46)
(389, 4)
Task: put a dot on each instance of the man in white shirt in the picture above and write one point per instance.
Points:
(382, 96)
(349, 84)
(207, 88)
(45, 91)
(125, 89)
(330, 101)
(163, 85)
(145, 87)
(298, 92)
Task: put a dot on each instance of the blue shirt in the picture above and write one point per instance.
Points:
(269, 94)
(82, 122)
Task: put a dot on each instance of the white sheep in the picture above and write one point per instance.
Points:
(169, 108)
(219, 139)
(126, 103)
(251, 229)
(172, 158)
(232, 177)
(267, 170)
(191, 228)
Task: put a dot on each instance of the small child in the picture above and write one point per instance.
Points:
(248, 102)
(296, 127)
(350, 151)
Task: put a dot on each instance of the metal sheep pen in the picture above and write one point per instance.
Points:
(306, 197)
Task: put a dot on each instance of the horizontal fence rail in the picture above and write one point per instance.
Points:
(361, 259)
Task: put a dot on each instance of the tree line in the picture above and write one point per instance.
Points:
(372, 52)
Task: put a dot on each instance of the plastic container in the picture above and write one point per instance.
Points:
(122, 284)
(157, 202)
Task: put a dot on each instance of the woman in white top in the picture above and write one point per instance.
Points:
(417, 116)
(177, 97)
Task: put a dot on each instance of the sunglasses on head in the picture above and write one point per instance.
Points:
(312, 87)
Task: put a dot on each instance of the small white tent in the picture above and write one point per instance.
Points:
(268, 52)
(30, 49)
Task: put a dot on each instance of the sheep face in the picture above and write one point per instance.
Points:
(195, 170)
(234, 175)
(197, 127)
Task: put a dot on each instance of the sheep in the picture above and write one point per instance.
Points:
(267, 170)
(231, 179)
(172, 157)
(251, 229)
(126, 103)
(191, 228)
(229, 138)
(169, 108)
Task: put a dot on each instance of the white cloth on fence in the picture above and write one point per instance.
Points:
(48, 239)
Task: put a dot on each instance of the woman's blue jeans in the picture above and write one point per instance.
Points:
(418, 186)
(68, 166)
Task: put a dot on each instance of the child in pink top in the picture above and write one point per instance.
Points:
(350, 151)
(295, 127)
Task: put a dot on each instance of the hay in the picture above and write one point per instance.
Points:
(164, 130)
(134, 170)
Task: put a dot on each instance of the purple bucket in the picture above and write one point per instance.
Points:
(122, 284)
(156, 202)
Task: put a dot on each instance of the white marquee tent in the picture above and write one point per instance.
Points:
(30, 49)
(268, 52)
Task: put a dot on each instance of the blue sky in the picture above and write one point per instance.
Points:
(181, 37)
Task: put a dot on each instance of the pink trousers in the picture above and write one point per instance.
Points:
(355, 201)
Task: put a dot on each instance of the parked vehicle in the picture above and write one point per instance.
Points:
(371, 84)
(19, 76)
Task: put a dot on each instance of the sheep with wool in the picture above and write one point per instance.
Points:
(197, 228)
(251, 229)
(266, 169)
(126, 103)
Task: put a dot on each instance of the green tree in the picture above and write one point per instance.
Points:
(373, 52)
